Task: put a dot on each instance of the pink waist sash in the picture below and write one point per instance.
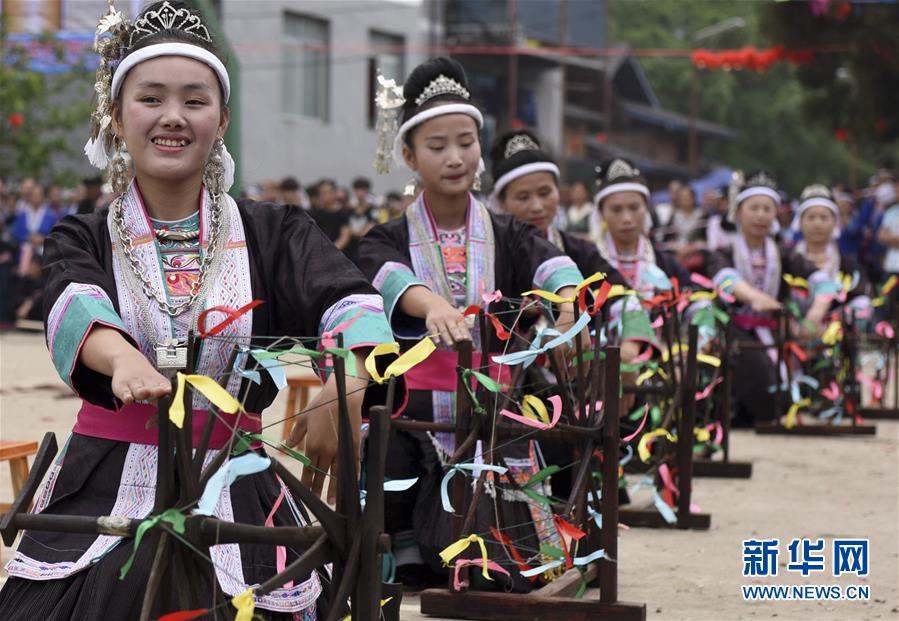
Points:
(130, 424)
(751, 322)
(438, 372)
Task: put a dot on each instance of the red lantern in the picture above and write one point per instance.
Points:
(16, 119)
(841, 134)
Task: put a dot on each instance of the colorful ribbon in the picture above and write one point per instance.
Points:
(415, 355)
(455, 549)
(464, 562)
(246, 464)
(207, 387)
(232, 316)
(171, 516)
(535, 413)
(244, 604)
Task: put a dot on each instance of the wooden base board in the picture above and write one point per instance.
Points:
(650, 518)
(817, 430)
(880, 413)
(492, 606)
(722, 469)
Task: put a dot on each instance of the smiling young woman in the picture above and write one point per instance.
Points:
(125, 285)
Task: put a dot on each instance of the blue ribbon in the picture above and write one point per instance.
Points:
(238, 367)
(528, 356)
(444, 494)
(248, 463)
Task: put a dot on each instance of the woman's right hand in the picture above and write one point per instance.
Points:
(135, 379)
(764, 303)
(446, 323)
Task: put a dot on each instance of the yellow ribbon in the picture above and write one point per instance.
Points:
(832, 334)
(710, 360)
(889, 284)
(678, 348)
(417, 354)
(794, 411)
(208, 387)
(796, 281)
(535, 409)
(702, 434)
(244, 604)
(455, 549)
(643, 448)
(558, 299)
(645, 376)
(703, 295)
(383, 602)
(619, 290)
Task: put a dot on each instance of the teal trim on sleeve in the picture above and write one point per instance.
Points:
(393, 288)
(563, 277)
(370, 328)
(82, 313)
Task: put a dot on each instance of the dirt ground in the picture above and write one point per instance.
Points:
(801, 488)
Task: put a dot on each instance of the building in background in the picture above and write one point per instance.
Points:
(535, 64)
(308, 72)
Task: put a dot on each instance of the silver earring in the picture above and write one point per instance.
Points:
(476, 185)
(412, 184)
(214, 171)
(120, 174)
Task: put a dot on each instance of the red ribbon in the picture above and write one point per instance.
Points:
(232, 316)
(505, 541)
(184, 615)
(792, 346)
(599, 298)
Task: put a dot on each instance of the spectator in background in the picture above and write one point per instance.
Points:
(35, 219)
(327, 213)
(685, 233)
(850, 239)
(663, 212)
(580, 210)
(271, 191)
(363, 215)
(874, 208)
(888, 231)
(394, 207)
(92, 192)
(720, 233)
(292, 193)
(25, 189)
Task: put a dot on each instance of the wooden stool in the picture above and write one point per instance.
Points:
(16, 453)
(299, 387)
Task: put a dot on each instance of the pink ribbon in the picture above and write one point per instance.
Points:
(875, 385)
(458, 585)
(556, 400)
(657, 322)
(832, 392)
(719, 431)
(496, 296)
(665, 473)
(885, 330)
(640, 428)
(702, 394)
(280, 551)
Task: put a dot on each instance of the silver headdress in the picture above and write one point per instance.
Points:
(519, 142)
(168, 17)
(442, 85)
(620, 168)
(816, 190)
(388, 100)
(109, 40)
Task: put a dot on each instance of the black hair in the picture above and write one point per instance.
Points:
(618, 170)
(290, 184)
(176, 35)
(393, 196)
(418, 81)
(361, 183)
(500, 164)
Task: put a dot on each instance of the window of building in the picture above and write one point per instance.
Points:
(387, 56)
(305, 67)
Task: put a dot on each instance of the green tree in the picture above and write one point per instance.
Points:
(39, 110)
(766, 109)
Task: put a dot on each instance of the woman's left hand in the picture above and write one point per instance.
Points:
(316, 429)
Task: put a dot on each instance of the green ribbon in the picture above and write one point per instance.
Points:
(171, 516)
(244, 439)
(342, 352)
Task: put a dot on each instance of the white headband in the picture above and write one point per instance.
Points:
(817, 201)
(759, 190)
(627, 186)
(171, 49)
(430, 113)
(521, 171)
